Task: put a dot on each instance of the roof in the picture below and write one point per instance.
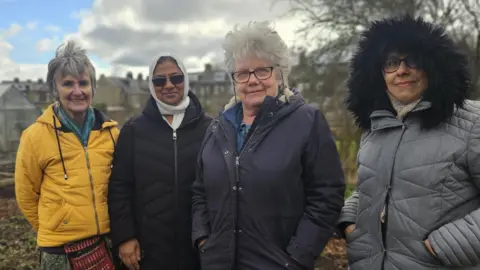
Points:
(4, 88)
(128, 85)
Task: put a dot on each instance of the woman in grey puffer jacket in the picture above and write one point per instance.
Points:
(417, 203)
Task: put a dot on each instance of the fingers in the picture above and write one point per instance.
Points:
(134, 263)
(130, 261)
(137, 253)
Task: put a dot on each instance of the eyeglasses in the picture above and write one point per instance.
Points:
(243, 76)
(393, 63)
(161, 81)
(70, 83)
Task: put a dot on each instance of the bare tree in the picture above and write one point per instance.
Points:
(333, 26)
(468, 35)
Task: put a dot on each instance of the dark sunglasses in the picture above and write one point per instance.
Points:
(161, 81)
(393, 63)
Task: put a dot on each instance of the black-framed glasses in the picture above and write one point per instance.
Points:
(261, 73)
(393, 63)
(161, 81)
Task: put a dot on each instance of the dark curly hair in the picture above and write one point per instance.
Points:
(446, 69)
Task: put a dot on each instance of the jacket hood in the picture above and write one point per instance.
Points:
(180, 64)
(446, 69)
(193, 111)
(284, 96)
(280, 106)
(48, 117)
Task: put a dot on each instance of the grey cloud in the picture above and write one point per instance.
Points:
(138, 47)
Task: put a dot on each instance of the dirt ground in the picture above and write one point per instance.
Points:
(18, 244)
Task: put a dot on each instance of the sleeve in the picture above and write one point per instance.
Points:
(324, 189)
(457, 244)
(200, 219)
(348, 215)
(28, 180)
(121, 189)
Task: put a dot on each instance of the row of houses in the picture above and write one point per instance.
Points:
(21, 102)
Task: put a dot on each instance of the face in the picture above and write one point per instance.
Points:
(254, 80)
(75, 94)
(408, 82)
(168, 81)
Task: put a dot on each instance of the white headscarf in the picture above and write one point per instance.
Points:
(177, 111)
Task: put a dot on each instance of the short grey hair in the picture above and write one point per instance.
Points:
(70, 59)
(259, 39)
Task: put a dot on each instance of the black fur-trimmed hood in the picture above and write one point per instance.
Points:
(446, 69)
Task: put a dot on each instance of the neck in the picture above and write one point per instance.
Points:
(169, 118)
(78, 118)
(249, 115)
(403, 108)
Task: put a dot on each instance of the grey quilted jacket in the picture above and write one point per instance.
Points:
(429, 183)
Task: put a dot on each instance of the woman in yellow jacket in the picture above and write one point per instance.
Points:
(62, 168)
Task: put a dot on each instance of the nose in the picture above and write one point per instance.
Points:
(168, 83)
(253, 79)
(403, 68)
(76, 89)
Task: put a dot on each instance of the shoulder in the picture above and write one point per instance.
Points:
(470, 109)
(135, 121)
(470, 112)
(36, 130)
(207, 118)
(310, 114)
(206, 121)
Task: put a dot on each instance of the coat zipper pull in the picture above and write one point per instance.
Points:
(174, 135)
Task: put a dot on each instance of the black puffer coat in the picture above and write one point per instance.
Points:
(276, 199)
(150, 187)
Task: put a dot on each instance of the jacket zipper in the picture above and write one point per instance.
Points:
(236, 189)
(175, 175)
(90, 176)
(175, 178)
(387, 199)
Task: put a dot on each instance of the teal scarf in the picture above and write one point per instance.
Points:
(82, 132)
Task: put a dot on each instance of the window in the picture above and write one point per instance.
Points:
(219, 76)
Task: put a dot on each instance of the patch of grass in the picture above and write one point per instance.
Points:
(18, 244)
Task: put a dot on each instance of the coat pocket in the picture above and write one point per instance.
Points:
(60, 217)
(283, 258)
(213, 252)
(358, 247)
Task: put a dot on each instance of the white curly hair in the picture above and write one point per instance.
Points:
(258, 39)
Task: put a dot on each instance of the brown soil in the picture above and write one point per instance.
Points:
(18, 245)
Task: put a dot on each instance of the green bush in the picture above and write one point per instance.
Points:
(349, 189)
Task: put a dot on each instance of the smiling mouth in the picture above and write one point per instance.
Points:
(405, 83)
(253, 92)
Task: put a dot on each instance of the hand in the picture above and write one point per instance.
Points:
(129, 253)
(201, 242)
(349, 229)
(429, 247)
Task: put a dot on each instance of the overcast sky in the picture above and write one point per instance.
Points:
(123, 35)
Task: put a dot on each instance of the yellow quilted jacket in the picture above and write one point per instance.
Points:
(61, 187)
